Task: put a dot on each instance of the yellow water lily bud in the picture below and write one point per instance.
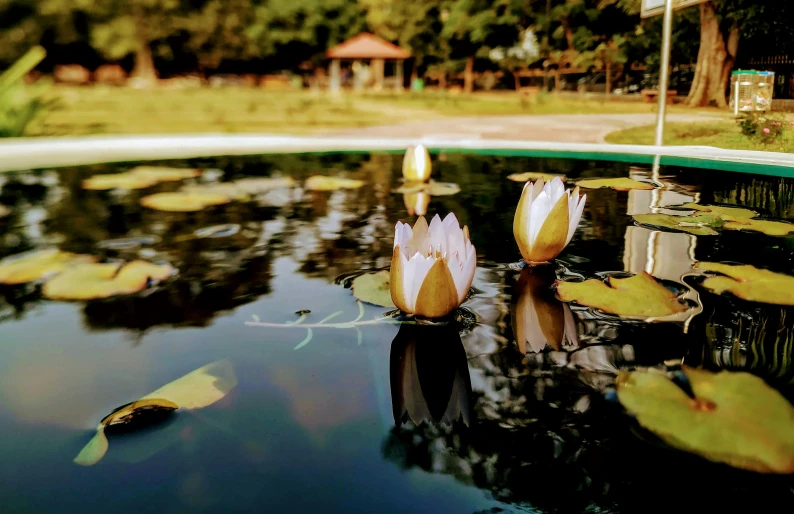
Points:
(416, 203)
(429, 374)
(539, 319)
(546, 219)
(416, 164)
(432, 267)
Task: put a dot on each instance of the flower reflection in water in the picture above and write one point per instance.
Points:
(416, 203)
(539, 319)
(429, 376)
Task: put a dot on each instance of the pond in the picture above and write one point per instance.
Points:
(320, 408)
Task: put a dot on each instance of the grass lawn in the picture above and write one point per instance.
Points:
(721, 134)
(108, 110)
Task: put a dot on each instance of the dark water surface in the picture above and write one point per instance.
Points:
(313, 429)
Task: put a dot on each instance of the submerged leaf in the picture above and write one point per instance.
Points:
(373, 288)
(321, 183)
(697, 225)
(132, 413)
(618, 184)
(200, 388)
(722, 211)
(89, 281)
(734, 418)
(93, 452)
(640, 296)
(183, 201)
(431, 188)
(749, 283)
(29, 267)
(768, 227)
(534, 175)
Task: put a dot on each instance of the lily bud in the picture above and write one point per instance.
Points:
(539, 319)
(416, 203)
(429, 374)
(432, 267)
(416, 164)
(546, 219)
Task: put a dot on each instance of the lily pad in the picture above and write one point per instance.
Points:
(29, 267)
(321, 183)
(768, 227)
(164, 174)
(637, 296)
(722, 211)
(373, 288)
(198, 389)
(534, 175)
(183, 201)
(255, 186)
(431, 188)
(701, 225)
(618, 184)
(732, 418)
(118, 181)
(90, 281)
(749, 283)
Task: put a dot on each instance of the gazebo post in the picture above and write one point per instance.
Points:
(398, 75)
(334, 70)
(379, 68)
(358, 76)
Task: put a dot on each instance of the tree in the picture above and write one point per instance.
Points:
(519, 56)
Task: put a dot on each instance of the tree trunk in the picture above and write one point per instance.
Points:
(609, 75)
(144, 64)
(517, 81)
(468, 76)
(716, 57)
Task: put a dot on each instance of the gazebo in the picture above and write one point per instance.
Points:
(366, 47)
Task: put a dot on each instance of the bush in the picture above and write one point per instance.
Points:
(21, 103)
(766, 128)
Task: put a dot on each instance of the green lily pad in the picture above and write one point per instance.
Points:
(196, 390)
(164, 174)
(637, 296)
(722, 211)
(768, 227)
(749, 283)
(33, 266)
(431, 188)
(373, 288)
(533, 175)
(183, 201)
(734, 418)
(90, 281)
(701, 225)
(140, 177)
(618, 184)
(321, 183)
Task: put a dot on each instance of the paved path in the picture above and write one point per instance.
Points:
(572, 128)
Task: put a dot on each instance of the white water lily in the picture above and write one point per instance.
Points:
(546, 219)
(432, 267)
(416, 164)
(539, 319)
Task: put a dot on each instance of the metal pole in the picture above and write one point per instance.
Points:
(664, 72)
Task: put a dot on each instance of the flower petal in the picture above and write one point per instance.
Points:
(553, 234)
(541, 207)
(396, 280)
(522, 219)
(575, 217)
(418, 236)
(438, 296)
(417, 269)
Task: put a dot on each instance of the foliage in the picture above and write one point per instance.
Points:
(20, 103)
(766, 128)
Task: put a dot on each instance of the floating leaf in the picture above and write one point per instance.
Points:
(226, 230)
(256, 186)
(4, 211)
(29, 267)
(534, 175)
(431, 188)
(698, 225)
(321, 183)
(164, 174)
(140, 177)
(749, 283)
(183, 201)
(733, 418)
(373, 288)
(722, 211)
(198, 389)
(89, 281)
(640, 296)
(768, 227)
(618, 184)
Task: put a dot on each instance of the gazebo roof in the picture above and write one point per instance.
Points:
(367, 46)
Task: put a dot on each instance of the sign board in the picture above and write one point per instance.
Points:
(656, 7)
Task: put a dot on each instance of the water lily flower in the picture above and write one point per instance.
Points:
(432, 267)
(546, 219)
(416, 164)
(416, 203)
(429, 376)
(539, 319)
